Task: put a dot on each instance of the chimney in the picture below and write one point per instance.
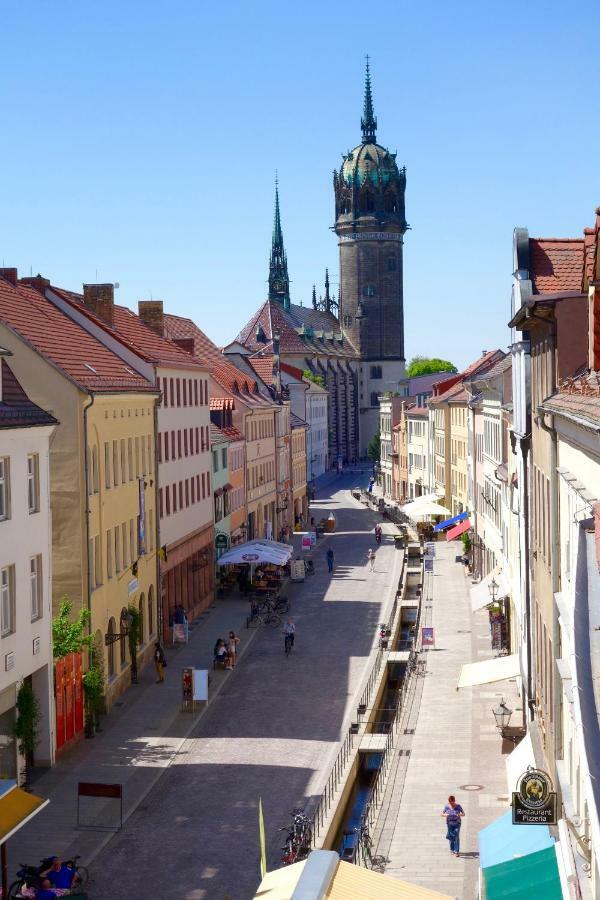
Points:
(100, 300)
(186, 344)
(37, 282)
(484, 352)
(151, 314)
(10, 275)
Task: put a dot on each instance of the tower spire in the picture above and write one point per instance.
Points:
(327, 297)
(279, 282)
(368, 122)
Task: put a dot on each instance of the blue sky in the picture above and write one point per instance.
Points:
(140, 142)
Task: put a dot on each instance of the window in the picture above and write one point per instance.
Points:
(35, 587)
(106, 464)
(117, 549)
(184, 387)
(7, 605)
(369, 290)
(224, 458)
(374, 398)
(141, 621)
(165, 392)
(109, 565)
(215, 461)
(33, 482)
(97, 562)
(123, 462)
(172, 392)
(137, 457)
(376, 372)
(132, 548)
(185, 442)
(178, 387)
(150, 610)
(123, 641)
(391, 263)
(347, 321)
(124, 541)
(144, 470)
(4, 488)
(130, 457)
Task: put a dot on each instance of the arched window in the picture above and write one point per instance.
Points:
(391, 263)
(142, 615)
(123, 641)
(111, 648)
(367, 202)
(150, 612)
(390, 202)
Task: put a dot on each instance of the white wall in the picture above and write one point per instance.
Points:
(176, 526)
(392, 373)
(28, 649)
(417, 445)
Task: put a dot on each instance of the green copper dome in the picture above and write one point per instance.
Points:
(369, 162)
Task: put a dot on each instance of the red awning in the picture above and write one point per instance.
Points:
(458, 530)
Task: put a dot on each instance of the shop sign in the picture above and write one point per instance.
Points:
(430, 548)
(427, 637)
(428, 564)
(306, 542)
(221, 541)
(534, 801)
(132, 586)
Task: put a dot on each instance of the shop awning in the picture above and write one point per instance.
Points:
(422, 509)
(16, 808)
(517, 762)
(502, 841)
(489, 670)
(458, 530)
(255, 552)
(459, 518)
(534, 876)
(480, 593)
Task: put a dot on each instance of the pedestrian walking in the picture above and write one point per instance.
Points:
(453, 813)
(371, 559)
(232, 644)
(329, 555)
(289, 631)
(159, 662)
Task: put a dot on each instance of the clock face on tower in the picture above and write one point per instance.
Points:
(277, 286)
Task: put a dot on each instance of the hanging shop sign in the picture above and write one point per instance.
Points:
(534, 801)
(427, 637)
(430, 548)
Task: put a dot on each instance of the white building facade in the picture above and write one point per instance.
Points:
(417, 432)
(25, 571)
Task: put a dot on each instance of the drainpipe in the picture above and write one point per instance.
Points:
(525, 444)
(159, 605)
(87, 504)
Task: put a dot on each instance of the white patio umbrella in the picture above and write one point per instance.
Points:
(422, 508)
(256, 552)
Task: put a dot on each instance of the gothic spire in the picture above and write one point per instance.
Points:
(314, 297)
(279, 282)
(368, 122)
(327, 297)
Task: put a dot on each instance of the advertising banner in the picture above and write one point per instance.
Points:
(427, 637)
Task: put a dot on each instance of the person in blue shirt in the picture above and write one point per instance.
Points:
(60, 875)
(46, 891)
(453, 813)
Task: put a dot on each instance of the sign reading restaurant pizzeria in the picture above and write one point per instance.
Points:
(534, 801)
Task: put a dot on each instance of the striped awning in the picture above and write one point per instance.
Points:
(458, 530)
(459, 518)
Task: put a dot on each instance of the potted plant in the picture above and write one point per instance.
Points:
(25, 728)
(133, 638)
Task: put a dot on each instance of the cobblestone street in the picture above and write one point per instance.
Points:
(272, 732)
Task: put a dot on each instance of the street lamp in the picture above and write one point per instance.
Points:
(493, 588)
(125, 622)
(502, 716)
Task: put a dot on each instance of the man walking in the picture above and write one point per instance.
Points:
(159, 662)
(453, 813)
(330, 559)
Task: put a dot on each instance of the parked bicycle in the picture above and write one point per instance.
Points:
(299, 838)
(416, 666)
(259, 616)
(29, 877)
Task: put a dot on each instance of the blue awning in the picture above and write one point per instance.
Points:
(502, 841)
(441, 525)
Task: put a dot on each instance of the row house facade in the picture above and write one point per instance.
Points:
(185, 521)
(390, 408)
(25, 568)
(103, 469)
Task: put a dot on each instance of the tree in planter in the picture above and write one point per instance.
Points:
(68, 635)
(93, 689)
(134, 639)
(25, 728)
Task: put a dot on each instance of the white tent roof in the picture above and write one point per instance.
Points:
(489, 670)
(255, 552)
(421, 508)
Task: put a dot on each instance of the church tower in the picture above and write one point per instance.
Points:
(279, 282)
(370, 225)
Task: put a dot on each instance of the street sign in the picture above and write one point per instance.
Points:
(534, 801)
(428, 564)
(306, 543)
(427, 637)
(430, 548)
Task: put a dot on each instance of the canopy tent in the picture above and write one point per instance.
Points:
(17, 807)
(421, 508)
(458, 530)
(489, 670)
(502, 841)
(256, 552)
(480, 594)
(459, 518)
(534, 876)
(518, 761)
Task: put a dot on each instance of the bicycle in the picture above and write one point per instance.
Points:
(370, 860)
(258, 617)
(30, 876)
(288, 643)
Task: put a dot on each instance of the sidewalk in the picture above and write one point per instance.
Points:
(455, 748)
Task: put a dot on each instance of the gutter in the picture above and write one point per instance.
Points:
(87, 507)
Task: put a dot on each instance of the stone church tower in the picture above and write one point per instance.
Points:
(370, 224)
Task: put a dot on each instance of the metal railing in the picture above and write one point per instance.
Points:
(331, 786)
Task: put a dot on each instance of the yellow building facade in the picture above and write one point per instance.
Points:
(459, 474)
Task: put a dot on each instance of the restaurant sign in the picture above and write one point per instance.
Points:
(534, 801)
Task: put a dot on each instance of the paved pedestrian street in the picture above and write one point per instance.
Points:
(272, 732)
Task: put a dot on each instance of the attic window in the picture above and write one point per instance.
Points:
(91, 368)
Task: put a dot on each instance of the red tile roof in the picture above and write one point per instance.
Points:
(272, 319)
(16, 409)
(263, 366)
(67, 346)
(131, 331)
(417, 411)
(234, 434)
(578, 397)
(556, 264)
(456, 392)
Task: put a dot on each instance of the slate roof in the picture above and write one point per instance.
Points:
(67, 346)
(498, 368)
(131, 331)
(273, 319)
(16, 409)
(556, 264)
(297, 422)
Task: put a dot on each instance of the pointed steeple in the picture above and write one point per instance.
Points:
(279, 282)
(368, 122)
(314, 297)
(327, 297)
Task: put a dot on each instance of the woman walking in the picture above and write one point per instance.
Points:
(371, 558)
(232, 643)
(453, 813)
(159, 662)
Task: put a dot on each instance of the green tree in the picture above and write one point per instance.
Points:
(25, 728)
(134, 638)
(68, 634)
(423, 365)
(374, 448)
(316, 379)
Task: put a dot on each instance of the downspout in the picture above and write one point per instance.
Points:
(159, 603)
(525, 443)
(87, 506)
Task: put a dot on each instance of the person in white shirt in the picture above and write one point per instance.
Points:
(371, 559)
(289, 631)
